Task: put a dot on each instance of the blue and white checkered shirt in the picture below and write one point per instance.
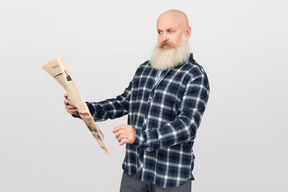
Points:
(165, 116)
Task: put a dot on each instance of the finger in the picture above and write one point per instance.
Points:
(117, 135)
(124, 141)
(66, 95)
(72, 112)
(119, 127)
(116, 129)
(120, 132)
(70, 107)
(122, 137)
(66, 102)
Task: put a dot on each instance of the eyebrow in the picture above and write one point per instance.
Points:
(171, 28)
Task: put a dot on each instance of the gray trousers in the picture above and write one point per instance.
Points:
(129, 184)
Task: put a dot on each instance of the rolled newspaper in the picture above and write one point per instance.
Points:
(58, 69)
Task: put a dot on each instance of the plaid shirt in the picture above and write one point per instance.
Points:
(165, 117)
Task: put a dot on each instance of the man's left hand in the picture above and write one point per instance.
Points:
(125, 134)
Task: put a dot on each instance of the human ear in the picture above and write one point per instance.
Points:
(188, 31)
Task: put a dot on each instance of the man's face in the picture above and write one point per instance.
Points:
(170, 32)
(172, 48)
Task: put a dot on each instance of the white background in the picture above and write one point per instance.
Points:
(242, 142)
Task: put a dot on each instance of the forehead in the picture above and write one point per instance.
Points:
(170, 20)
(165, 23)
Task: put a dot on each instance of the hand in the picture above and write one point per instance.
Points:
(69, 108)
(125, 134)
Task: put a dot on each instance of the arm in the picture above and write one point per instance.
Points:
(107, 109)
(111, 108)
(185, 125)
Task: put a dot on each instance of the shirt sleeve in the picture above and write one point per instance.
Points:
(110, 108)
(183, 128)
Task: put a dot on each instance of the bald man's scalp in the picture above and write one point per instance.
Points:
(173, 14)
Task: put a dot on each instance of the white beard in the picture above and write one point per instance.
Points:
(163, 59)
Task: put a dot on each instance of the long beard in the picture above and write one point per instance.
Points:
(163, 59)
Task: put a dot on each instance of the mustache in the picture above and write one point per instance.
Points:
(162, 44)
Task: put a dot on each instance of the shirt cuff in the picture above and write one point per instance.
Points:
(140, 139)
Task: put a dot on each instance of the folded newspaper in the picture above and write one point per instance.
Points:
(58, 69)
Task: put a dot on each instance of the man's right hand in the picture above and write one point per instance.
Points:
(69, 108)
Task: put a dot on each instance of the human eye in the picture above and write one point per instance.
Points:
(160, 32)
(170, 30)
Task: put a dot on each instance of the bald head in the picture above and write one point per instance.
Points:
(172, 25)
(174, 16)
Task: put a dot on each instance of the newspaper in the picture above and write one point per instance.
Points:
(58, 69)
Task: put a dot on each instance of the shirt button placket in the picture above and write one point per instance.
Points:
(148, 106)
(150, 99)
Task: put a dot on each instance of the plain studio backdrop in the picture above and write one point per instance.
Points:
(241, 144)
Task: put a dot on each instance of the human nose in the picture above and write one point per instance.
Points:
(164, 37)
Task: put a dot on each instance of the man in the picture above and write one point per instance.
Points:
(165, 102)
